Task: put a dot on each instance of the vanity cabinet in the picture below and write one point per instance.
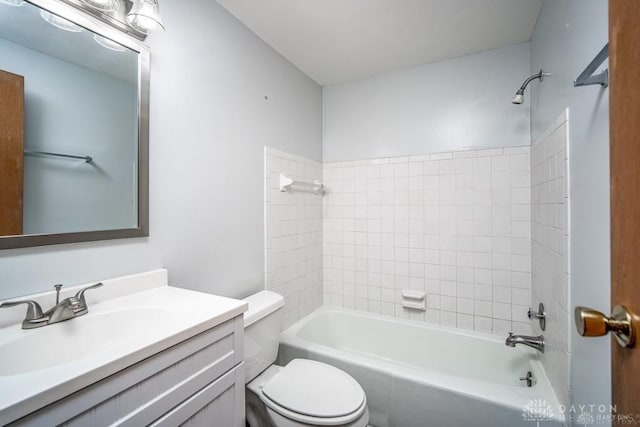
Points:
(198, 382)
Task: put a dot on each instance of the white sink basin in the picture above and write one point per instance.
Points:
(75, 339)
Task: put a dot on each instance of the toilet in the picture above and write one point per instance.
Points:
(303, 393)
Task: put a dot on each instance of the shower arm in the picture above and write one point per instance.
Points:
(539, 75)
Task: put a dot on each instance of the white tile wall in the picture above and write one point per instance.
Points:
(455, 225)
(293, 235)
(550, 257)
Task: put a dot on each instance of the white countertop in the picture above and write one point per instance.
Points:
(139, 325)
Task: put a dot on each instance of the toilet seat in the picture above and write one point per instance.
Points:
(314, 393)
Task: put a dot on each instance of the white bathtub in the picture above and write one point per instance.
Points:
(424, 376)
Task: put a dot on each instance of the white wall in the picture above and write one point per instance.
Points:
(62, 195)
(209, 123)
(568, 34)
(293, 234)
(444, 106)
(454, 226)
(550, 281)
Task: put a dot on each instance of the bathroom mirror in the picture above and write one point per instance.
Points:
(73, 127)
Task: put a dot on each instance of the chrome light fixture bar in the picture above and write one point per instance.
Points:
(102, 5)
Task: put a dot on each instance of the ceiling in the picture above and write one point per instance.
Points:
(334, 41)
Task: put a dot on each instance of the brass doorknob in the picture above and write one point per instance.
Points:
(592, 323)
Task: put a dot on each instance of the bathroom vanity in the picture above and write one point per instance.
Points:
(145, 354)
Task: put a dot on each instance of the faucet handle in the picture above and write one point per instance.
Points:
(34, 314)
(81, 299)
(34, 311)
(541, 316)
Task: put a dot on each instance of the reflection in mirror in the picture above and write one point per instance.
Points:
(69, 129)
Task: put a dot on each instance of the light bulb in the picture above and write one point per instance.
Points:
(59, 22)
(109, 44)
(13, 2)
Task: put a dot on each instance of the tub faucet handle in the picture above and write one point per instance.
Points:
(540, 315)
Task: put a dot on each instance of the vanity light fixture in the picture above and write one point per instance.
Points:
(59, 22)
(109, 44)
(144, 16)
(13, 2)
(102, 5)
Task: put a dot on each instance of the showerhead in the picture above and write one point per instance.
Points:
(519, 96)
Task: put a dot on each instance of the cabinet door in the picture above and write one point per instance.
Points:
(220, 403)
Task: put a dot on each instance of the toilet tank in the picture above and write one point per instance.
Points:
(262, 327)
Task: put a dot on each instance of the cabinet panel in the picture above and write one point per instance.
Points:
(143, 392)
(220, 403)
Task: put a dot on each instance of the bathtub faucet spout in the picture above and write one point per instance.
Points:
(533, 342)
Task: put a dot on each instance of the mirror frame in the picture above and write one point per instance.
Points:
(89, 21)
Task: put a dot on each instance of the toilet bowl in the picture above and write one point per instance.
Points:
(303, 393)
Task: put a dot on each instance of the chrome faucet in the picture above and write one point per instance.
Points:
(66, 309)
(533, 342)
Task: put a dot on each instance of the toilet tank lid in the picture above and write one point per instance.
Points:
(260, 305)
